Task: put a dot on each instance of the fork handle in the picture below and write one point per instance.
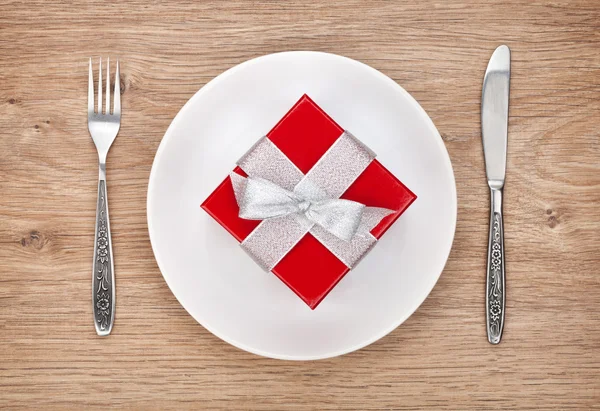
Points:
(495, 284)
(103, 275)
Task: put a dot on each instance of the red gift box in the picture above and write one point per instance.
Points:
(304, 134)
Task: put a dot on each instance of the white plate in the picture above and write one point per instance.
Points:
(218, 283)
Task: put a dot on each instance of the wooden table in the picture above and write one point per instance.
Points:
(158, 356)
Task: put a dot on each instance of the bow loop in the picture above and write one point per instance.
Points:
(260, 199)
(340, 217)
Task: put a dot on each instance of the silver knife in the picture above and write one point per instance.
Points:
(494, 131)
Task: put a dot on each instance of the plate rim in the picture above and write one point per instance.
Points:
(168, 135)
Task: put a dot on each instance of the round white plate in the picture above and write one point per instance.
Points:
(220, 285)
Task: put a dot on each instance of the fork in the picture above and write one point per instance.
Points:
(103, 127)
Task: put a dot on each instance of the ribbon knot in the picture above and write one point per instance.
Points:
(261, 199)
(304, 206)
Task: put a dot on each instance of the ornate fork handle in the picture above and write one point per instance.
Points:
(103, 275)
(495, 296)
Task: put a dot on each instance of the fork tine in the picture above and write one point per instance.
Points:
(117, 98)
(100, 88)
(90, 90)
(107, 106)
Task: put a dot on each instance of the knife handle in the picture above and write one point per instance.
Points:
(495, 285)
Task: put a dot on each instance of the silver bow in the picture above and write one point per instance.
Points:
(260, 199)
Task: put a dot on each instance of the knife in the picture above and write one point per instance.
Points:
(494, 131)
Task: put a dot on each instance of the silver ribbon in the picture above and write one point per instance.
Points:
(291, 204)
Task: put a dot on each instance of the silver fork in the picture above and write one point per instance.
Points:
(103, 128)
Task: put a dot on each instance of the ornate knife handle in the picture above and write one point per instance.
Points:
(103, 275)
(495, 295)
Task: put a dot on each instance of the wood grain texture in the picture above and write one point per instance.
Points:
(158, 356)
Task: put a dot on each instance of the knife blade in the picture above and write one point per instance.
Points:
(494, 132)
